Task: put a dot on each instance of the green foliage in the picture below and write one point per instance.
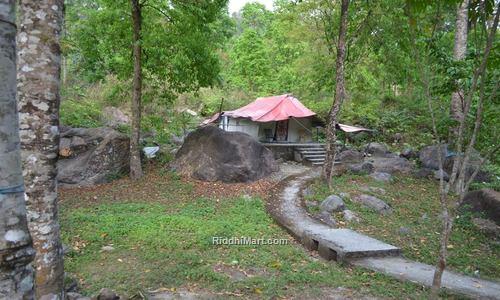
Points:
(80, 113)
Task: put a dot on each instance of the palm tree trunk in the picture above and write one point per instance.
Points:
(16, 252)
(331, 136)
(39, 66)
(135, 152)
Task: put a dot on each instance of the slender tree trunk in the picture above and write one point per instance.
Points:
(331, 135)
(39, 66)
(135, 152)
(459, 50)
(460, 164)
(16, 252)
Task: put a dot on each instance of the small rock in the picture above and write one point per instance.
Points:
(307, 192)
(107, 248)
(424, 217)
(404, 230)
(408, 153)
(311, 203)
(374, 203)
(344, 195)
(437, 175)
(372, 189)
(350, 216)
(381, 176)
(326, 218)
(487, 226)
(361, 168)
(73, 296)
(424, 173)
(107, 294)
(332, 203)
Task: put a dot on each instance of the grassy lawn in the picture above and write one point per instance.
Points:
(161, 229)
(416, 207)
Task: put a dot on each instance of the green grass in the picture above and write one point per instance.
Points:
(166, 243)
(412, 198)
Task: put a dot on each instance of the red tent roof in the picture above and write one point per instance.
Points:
(274, 108)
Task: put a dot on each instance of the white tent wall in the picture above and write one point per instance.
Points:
(299, 130)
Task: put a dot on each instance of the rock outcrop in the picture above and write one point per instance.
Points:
(211, 154)
(89, 156)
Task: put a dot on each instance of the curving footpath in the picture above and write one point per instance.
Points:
(351, 247)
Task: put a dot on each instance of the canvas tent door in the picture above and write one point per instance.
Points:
(282, 131)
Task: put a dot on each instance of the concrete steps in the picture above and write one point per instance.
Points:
(313, 153)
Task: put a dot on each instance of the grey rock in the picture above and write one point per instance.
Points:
(326, 218)
(311, 203)
(438, 174)
(361, 168)
(177, 140)
(408, 153)
(424, 173)
(381, 176)
(404, 231)
(350, 156)
(75, 296)
(332, 203)
(114, 117)
(103, 154)
(487, 226)
(374, 203)
(107, 294)
(376, 149)
(424, 217)
(212, 154)
(307, 192)
(429, 156)
(344, 195)
(107, 248)
(392, 165)
(350, 216)
(484, 201)
(372, 189)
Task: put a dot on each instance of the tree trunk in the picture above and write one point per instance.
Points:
(331, 135)
(16, 252)
(459, 50)
(135, 152)
(39, 66)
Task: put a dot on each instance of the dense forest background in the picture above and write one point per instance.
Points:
(197, 55)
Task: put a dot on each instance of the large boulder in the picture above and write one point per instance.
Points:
(332, 203)
(89, 156)
(374, 203)
(114, 117)
(376, 149)
(429, 156)
(350, 156)
(212, 154)
(392, 165)
(485, 201)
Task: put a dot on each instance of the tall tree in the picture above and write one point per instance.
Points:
(39, 65)
(459, 50)
(135, 152)
(16, 252)
(331, 136)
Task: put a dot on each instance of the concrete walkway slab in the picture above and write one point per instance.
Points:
(342, 244)
(405, 269)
